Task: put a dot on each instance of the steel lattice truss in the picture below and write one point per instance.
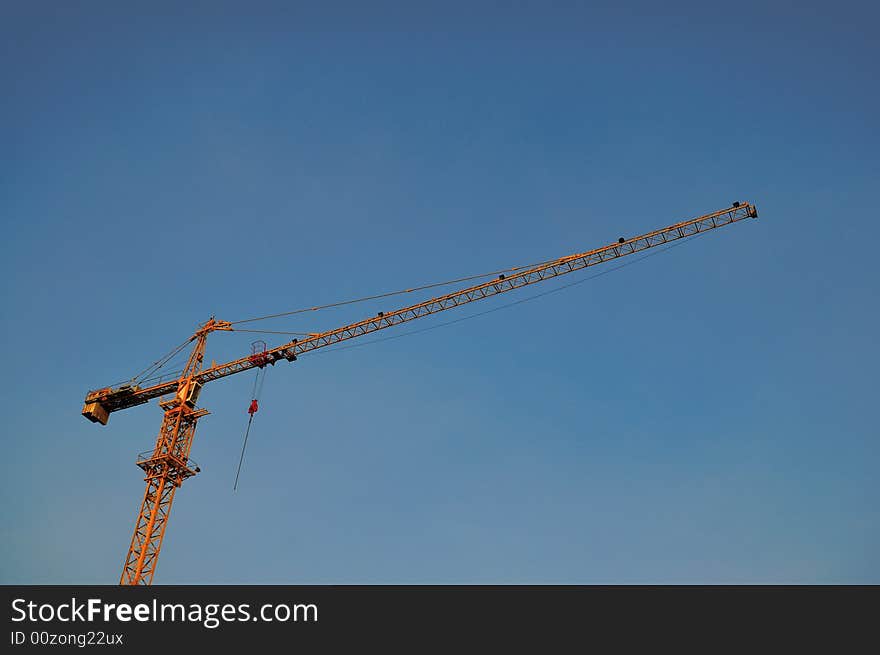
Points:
(122, 398)
(168, 464)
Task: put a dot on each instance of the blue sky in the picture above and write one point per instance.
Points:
(706, 415)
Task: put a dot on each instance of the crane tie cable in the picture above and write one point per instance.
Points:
(507, 305)
(164, 360)
(389, 294)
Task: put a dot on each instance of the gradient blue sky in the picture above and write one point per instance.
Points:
(706, 415)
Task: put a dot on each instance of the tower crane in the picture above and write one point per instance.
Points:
(168, 465)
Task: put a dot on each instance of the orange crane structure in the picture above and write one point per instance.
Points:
(169, 464)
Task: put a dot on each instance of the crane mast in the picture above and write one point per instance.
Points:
(169, 463)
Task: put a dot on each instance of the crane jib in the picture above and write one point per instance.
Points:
(99, 404)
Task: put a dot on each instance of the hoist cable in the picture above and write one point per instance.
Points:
(257, 389)
(243, 446)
